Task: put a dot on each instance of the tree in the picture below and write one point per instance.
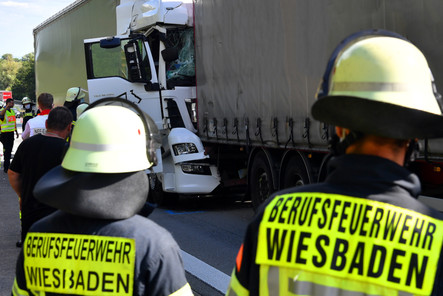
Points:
(8, 70)
(24, 83)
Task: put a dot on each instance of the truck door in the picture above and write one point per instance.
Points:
(124, 68)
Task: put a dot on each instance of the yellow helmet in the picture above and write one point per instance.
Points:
(379, 83)
(75, 93)
(107, 139)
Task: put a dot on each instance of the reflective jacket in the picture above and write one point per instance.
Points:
(361, 232)
(67, 254)
(9, 122)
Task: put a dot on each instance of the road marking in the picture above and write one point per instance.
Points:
(170, 212)
(206, 273)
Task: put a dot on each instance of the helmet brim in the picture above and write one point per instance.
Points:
(94, 195)
(377, 118)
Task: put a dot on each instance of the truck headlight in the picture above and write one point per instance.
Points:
(184, 148)
(196, 169)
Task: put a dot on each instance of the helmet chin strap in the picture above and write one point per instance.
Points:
(338, 145)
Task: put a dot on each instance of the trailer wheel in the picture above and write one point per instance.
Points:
(295, 173)
(261, 185)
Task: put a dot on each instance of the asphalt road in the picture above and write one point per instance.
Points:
(9, 230)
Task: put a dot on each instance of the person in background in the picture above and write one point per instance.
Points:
(34, 157)
(36, 125)
(74, 97)
(362, 231)
(28, 111)
(81, 108)
(8, 125)
(98, 190)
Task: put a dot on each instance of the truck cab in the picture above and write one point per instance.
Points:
(151, 63)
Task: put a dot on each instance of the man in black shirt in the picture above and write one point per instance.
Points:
(34, 157)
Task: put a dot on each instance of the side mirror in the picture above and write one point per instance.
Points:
(134, 61)
(111, 42)
(170, 54)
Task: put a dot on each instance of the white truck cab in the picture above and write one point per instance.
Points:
(151, 63)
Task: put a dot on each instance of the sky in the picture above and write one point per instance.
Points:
(18, 18)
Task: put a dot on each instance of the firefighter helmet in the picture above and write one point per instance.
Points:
(379, 83)
(26, 100)
(102, 144)
(75, 93)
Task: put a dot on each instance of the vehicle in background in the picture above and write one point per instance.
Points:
(4, 95)
(228, 86)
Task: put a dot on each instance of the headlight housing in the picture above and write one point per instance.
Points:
(184, 148)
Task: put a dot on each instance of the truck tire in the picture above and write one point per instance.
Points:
(295, 173)
(260, 182)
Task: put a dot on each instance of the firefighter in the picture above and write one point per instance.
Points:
(96, 244)
(74, 97)
(362, 231)
(8, 127)
(37, 125)
(28, 112)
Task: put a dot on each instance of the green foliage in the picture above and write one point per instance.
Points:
(18, 75)
(8, 70)
(24, 83)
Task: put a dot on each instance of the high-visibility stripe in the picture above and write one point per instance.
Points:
(284, 281)
(16, 291)
(183, 291)
(235, 288)
(99, 147)
(372, 86)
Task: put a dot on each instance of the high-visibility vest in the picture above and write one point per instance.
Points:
(30, 113)
(332, 244)
(8, 123)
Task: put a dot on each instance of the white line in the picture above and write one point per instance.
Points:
(205, 272)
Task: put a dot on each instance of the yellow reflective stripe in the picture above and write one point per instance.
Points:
(235, 288)
(373, 86)
(16, 291)
(371, 242)
(287, 281)
(79, 264)
(183, 291)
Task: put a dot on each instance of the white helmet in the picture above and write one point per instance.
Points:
(81, 108)
(75, 93)
(26, 100)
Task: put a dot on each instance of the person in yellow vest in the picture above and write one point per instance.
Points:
(28, 112)
(8, 127)
(362, 231)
